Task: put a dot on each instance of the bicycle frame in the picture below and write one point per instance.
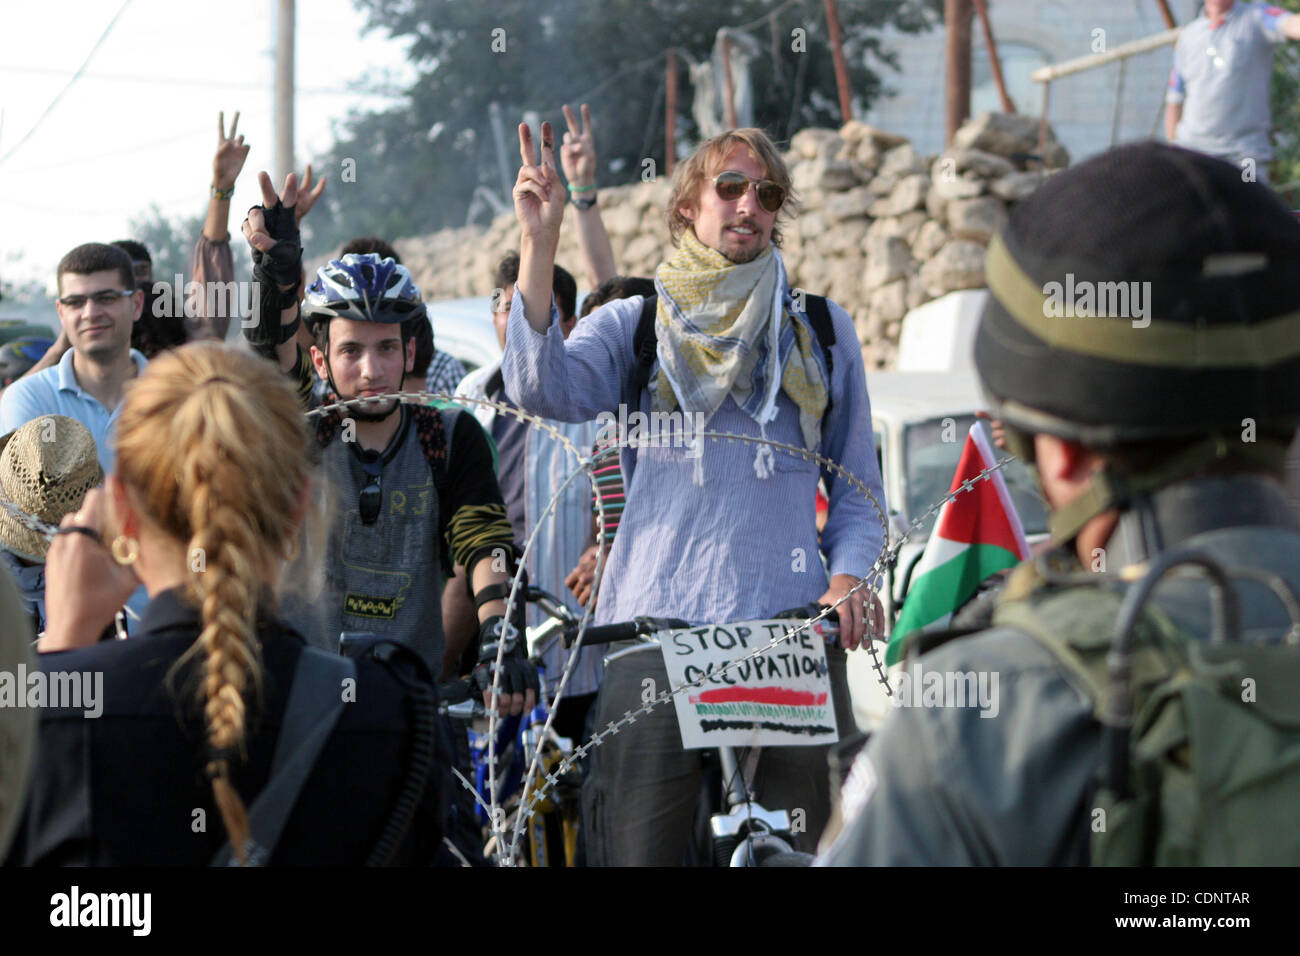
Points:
(747, 831)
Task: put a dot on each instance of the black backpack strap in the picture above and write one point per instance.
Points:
(434, 427)
(644, 348)
(315, 704)
(819, 317)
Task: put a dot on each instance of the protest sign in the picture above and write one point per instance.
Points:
(779, 698)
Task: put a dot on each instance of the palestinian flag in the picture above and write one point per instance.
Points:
(978, 533)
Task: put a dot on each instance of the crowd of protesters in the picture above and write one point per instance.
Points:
(258, 552)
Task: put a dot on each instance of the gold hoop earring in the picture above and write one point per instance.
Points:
(125, 550)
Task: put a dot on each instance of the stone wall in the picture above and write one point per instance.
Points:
(880, 228)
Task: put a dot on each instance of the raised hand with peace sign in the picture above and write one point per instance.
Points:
(538, 193)
(578, 154)
(230, 156)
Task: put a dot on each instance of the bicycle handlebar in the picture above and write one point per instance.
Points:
(643, 626)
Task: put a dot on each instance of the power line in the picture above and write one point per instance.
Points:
(154, 80)
(137, 148)
(75, 76)
(767, 16)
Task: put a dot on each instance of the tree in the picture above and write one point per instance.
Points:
(415, 168)
(1286, 119)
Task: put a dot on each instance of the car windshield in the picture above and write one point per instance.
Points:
(932, 450)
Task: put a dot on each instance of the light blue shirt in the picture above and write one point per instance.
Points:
(55, 391)
(1223, 77)
(565, 532)
(735, 547)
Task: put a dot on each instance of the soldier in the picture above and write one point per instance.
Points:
(1157, 427)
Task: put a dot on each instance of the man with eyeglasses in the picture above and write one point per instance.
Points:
(98, 305)
(712, 531)
(415, 486)
(1217, 101)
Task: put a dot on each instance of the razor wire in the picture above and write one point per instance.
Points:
(496, 815)
(872, 581)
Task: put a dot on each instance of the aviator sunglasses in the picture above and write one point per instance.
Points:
(372, 495)
(731, 185)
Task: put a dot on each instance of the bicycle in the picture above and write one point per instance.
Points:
(742, 832)
(552, 830)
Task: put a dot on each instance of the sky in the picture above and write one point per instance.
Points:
(140, 124)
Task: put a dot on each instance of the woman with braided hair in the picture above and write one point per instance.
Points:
(205, 508)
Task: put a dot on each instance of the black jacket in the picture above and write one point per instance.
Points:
(128, 787)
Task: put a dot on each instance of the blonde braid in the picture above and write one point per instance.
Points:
(216, 444)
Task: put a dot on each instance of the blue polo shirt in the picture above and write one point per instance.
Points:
(55, 391)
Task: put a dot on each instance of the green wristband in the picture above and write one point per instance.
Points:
(581, 189)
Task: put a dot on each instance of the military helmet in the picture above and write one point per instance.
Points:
(1149, 293)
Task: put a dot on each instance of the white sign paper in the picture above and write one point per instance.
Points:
(780, 698)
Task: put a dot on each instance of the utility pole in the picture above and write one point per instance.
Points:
(995, 64)
(284, 34)
(670, 113)
(956, 21)
(837, 55)
(730, 91)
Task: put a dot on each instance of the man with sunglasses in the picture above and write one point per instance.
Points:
(415, 486)
(712, 531)
(98, 305)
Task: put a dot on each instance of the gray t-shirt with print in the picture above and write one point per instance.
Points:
(385, 577)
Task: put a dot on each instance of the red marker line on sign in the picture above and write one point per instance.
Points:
(761, 695)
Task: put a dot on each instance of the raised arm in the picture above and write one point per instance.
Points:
(212, 301)
(539, 207)
(272, 231)
(578, 157)
(570, 381)
(226, 167)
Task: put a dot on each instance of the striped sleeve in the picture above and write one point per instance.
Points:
(607, 476)
(304, 378)
(477, 525)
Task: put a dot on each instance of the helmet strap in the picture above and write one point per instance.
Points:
(1110, 489)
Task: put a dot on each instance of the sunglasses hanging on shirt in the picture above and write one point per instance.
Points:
(372, 495)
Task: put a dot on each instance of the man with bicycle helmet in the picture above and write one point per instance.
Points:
(415, 486)
(1141, 345)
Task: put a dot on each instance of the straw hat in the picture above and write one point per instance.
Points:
(46, 468)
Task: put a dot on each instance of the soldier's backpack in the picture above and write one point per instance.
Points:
(1206, 770)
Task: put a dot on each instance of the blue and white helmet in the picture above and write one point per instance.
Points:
(365, 288)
